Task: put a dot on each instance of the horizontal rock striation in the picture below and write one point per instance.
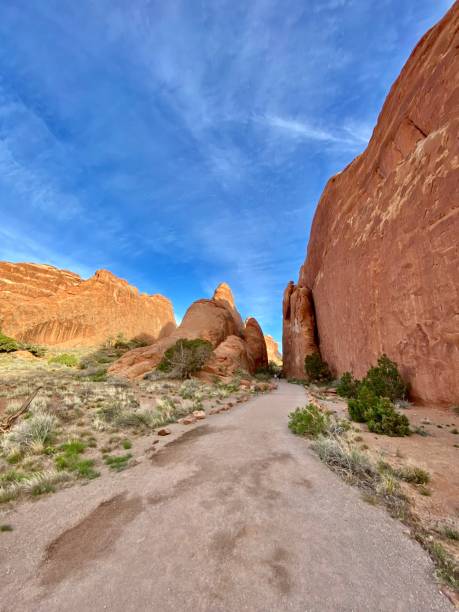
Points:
(44, 305)
(382, 268)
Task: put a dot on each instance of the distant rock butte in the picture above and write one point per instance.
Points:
(236, 345)
(44, 305)
(382, 269)
(273, 350)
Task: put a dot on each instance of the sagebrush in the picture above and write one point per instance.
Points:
(316, 369)
(308, 421)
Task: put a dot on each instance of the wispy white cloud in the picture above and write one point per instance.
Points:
(15, 246)
(359, 131)
(188, 140)
(299, 129)
(331, 5)
(352, 135)
(35, 187)
(26, 143)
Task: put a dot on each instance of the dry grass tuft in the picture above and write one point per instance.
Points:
(33, 484)
(29, 434)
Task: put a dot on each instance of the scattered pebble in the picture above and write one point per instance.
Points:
(188, 420)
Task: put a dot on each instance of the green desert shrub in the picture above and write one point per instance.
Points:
(348, 386)
(385, 381)
(70, 460)
(274, 369)
(65, 359)
(83, 468)
(7, 344)
(408, 473)
(118, 463)
(11, 476)
(73, 447)
(99, 376)
(266, 373)
(36, 483)
(447, 566)
(185, 357)
(358, 406)
(382, 418)
(413, 474)
(316, 369)
(308, 421)
(378, 412)
(450, 533)
(121, 342)
(34, 349)
(263, 375)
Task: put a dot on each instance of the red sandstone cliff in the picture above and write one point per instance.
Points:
(41, 304)
(382, 269)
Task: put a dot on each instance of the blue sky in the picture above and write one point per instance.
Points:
(184, 143)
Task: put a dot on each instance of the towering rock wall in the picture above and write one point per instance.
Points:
(382, 269)
(44, 305)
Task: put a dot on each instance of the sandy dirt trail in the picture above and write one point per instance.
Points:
(236, 514)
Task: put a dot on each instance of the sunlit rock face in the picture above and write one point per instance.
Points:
(272, 347)
(237, 345)
(382, 268)
(44, 305)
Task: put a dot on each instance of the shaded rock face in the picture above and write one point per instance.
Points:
(298, 335)
(272, 347)
(236, 346)
(229, 356)
(44, 305)
(256, 345)
(382, 269)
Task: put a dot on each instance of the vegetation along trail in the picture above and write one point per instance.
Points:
(233, 514)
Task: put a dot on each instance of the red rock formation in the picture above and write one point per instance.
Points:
(272, 347)
(216, 320)
(229, 356)
(298, 337)
(44, 305)
(256, 345)
(224, 295)
(383, 263)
